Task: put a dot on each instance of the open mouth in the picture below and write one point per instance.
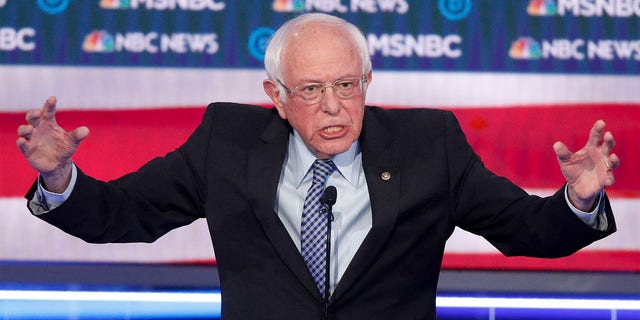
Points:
(333, 130)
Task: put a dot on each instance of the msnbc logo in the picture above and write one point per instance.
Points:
(98, 41)
(525, 48)
(115, 4)
(454, 9)
(288, 5)
(191, 5)
(542, 8)
(258, 41)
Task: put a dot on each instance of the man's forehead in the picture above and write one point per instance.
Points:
(326, 55)
(314, 36)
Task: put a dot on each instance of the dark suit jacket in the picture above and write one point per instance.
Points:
(228, 171)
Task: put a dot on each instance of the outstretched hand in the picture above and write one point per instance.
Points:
(589, 170)
(48, 147)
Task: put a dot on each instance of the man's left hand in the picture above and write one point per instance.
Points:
(589, 170)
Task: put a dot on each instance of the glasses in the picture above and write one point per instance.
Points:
(313, 92)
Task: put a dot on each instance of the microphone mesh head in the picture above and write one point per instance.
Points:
(330, 195)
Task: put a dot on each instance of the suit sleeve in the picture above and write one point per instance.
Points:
(513, 221)
(164, 194)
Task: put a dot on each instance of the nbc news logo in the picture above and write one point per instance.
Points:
(98, 41)
(525, 48)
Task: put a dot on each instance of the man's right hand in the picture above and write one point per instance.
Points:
(48, 147)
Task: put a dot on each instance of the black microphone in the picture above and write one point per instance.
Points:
(328, 199)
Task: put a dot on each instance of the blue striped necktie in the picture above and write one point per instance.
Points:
(313, 232)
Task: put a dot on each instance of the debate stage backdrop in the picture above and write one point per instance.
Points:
(519, 75)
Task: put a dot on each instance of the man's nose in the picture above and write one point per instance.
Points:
(331, 104)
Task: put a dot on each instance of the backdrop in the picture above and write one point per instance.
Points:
(519, 75)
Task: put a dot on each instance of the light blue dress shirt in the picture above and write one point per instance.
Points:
(352, 210)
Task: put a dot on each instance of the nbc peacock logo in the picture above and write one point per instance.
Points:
(542, 8)
(98, 41)
(115, 4)
(288, 5)
(525, 48)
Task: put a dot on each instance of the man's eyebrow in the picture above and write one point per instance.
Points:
(306, 81)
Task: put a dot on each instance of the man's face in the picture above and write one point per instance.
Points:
(320, 54)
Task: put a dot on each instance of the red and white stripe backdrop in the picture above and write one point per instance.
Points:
(135, 114)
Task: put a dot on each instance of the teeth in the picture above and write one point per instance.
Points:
(332, 129)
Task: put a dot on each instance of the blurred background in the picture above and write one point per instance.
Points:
(519, 75)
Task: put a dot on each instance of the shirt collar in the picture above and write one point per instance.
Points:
(303, 158)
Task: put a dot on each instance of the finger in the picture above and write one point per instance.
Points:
(562, 151)
(610, 163)
(609, 143)
(22, 144)
(596, 134)
(609, 180)
(25, 130)
(79, 134)
(614, 161)
(32, 116)
(49, 109)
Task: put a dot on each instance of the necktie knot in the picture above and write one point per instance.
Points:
(322, 169)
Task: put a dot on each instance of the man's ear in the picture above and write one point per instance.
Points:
(271, 89)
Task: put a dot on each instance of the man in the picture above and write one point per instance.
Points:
(247, 171)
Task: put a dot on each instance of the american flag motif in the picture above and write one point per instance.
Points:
(519, 75)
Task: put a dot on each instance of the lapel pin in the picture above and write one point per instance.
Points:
(385, 176)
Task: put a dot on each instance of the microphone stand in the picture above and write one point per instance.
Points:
(328, 200)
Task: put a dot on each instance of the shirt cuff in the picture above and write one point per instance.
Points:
(595, 218)
(46, 200)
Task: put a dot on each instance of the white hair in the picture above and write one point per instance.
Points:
(280, 39)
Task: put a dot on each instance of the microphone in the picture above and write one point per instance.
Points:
(330, 195)
(328, 199)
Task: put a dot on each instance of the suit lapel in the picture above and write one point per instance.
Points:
(382, 169)
(265, 163)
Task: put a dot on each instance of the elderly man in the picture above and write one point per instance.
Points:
(258, 176)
